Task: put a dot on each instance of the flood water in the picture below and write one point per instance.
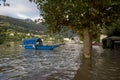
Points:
(62, 63)
(22, 64)
(104, 65)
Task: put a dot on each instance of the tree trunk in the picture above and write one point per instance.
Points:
(87, 43)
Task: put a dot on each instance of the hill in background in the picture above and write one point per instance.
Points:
(20, 25)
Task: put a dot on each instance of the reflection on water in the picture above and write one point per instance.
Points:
(19, 64)
(104, 65)
(61, 63)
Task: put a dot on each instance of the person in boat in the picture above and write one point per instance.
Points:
(39, 42)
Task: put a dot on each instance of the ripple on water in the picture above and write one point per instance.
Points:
(60, 64)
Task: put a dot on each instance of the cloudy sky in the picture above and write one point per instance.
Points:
(20, 9)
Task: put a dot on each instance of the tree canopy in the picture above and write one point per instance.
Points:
(88, 16)
(78, 14)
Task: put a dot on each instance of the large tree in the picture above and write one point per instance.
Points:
(88, 16)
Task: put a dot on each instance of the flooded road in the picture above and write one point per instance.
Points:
(63, 63)
(104, 65)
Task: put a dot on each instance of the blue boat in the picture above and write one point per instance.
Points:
(37, 44)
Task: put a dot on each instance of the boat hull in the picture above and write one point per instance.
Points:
(40, 47)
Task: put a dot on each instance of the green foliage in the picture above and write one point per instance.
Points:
(113, 30)
(21, 25)
(18, 27)
(78, 14)
(2, 34)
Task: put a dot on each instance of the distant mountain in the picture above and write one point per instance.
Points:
(28, 26)
(28, 20)
(21, 25)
